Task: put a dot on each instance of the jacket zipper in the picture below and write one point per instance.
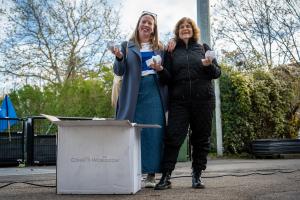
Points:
(189, 73)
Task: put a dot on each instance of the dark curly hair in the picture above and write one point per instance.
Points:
(196, 30)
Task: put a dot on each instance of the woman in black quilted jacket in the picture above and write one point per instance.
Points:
(189, 74)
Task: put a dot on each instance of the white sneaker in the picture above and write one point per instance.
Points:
(150, 181)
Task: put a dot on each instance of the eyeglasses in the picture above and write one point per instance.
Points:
(150, 13)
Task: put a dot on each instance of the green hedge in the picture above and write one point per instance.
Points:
(255, 105)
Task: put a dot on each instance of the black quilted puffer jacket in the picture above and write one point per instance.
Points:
(185, 74)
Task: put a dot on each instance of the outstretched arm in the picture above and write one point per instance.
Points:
(120, 60)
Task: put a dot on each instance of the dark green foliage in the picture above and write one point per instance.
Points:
(77, 97)
(236, 111)
(28, 100)
(255, 105)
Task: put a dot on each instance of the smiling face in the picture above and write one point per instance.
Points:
(146, 28)
(185, 31)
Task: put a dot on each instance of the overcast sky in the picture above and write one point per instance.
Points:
(168, 12)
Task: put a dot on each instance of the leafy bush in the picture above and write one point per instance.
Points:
(236, 110)
(78, 97)
(255, 105)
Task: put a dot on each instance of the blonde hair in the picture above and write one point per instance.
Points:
(157, 45)
(196, 30)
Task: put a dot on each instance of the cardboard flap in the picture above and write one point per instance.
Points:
(51, 118)
(98, 122)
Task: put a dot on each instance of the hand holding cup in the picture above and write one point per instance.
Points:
(210, 55)
(155, 63)
(115, 49)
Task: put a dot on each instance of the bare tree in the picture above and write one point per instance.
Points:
(55, 40)
(262, 33)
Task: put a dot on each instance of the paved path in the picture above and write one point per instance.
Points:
(224, 179)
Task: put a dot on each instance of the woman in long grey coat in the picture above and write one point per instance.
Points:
(142, 97)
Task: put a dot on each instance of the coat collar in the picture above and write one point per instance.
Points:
(135, 48)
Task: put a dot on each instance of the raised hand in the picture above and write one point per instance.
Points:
(171, 45)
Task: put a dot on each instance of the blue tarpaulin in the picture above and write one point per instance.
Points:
(7, 111)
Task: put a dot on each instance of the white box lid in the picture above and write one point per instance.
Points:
(98, 122)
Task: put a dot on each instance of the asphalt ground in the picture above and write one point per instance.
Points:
(224, 179)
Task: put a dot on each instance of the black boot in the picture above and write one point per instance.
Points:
(164, 182)
(196, 180)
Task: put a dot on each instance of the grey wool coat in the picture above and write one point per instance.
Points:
(130, 68)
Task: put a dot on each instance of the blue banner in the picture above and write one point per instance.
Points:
(7, 110)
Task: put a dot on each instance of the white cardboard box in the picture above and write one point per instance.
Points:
(98, 156)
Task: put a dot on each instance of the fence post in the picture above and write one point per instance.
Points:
(23, 141)
(29, 135)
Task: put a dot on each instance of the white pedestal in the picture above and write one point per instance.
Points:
(98, 157)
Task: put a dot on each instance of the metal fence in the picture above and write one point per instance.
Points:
(11, 141)
(40, 135)
(31, 140)
(41, 140)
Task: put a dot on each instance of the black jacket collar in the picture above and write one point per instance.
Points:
(182, 44)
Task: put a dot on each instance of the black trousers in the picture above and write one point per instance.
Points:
(184, 113)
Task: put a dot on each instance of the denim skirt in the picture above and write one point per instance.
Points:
(149, 110)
